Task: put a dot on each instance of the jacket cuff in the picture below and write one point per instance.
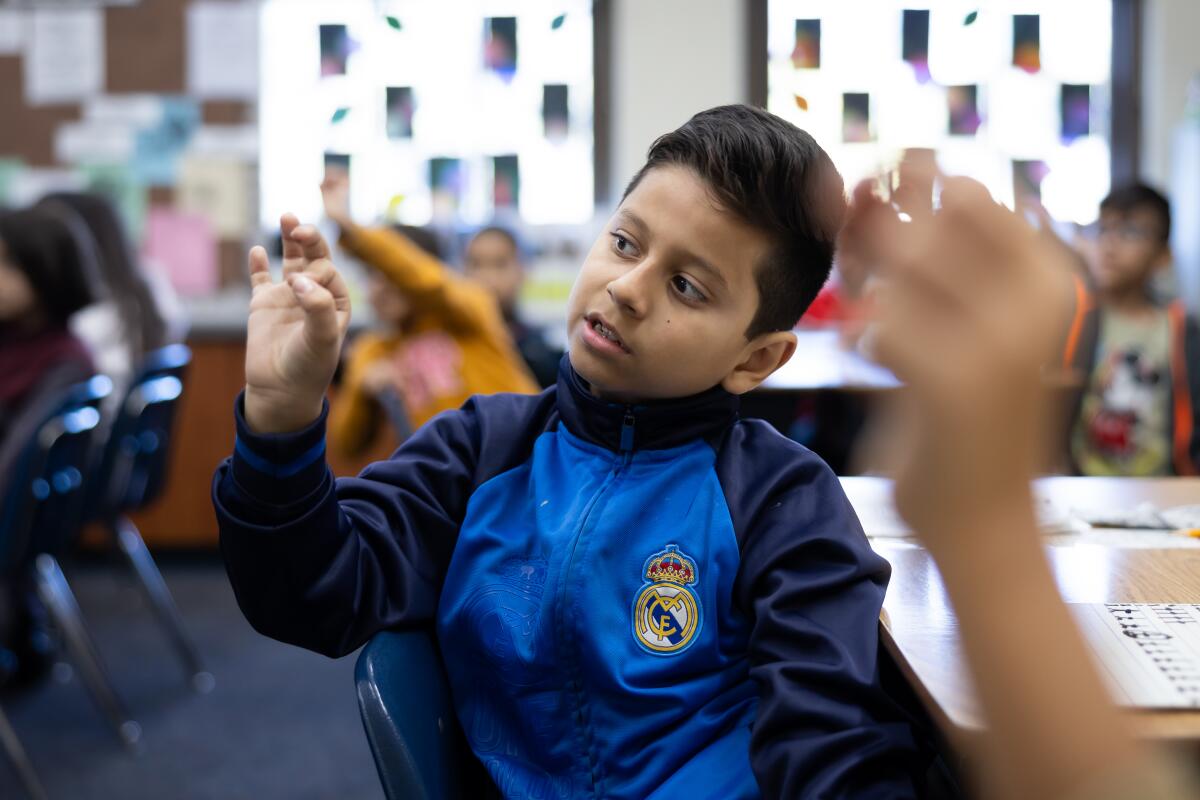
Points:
(279, 468)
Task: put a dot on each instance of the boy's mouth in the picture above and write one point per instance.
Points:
(601, 335)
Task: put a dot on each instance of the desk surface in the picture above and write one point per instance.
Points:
(921, 631)
(821, 362)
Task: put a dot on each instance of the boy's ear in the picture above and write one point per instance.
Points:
(762, 356)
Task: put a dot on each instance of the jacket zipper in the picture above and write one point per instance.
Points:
(574, 684)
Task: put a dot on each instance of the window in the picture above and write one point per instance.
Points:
(1014, 93)
(445, 112)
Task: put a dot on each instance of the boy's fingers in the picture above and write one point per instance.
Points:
(291, 249)
(312, 243)
(260, 273)
(324, 273)
(321, 323)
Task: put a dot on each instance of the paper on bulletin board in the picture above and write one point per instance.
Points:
(184, 247)
(220, 190)
(27, 186)
(13, 26)
(158, 148)
(130, 110)
(118, 184)
(9, 169)
(226, 141)
(64, 58)
(79, 142)
(222, 50)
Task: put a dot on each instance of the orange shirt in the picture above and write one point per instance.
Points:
(456, 346)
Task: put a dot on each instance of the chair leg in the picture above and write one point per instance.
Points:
(56, 593)
(159, 597)
(20, 761)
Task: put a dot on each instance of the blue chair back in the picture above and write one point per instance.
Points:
(409, 719)
(132, 467)
(43, 503)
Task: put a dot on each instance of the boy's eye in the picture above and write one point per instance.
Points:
(623, 245)
(686, 288)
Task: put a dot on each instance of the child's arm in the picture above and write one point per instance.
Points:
(325, 565)
(967, 322)
(813, 588)
(311, 564)
(431, 285)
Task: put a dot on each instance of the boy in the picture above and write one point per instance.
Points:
(1139, 409)
(443, 341)
(636, 594)
(494, 260)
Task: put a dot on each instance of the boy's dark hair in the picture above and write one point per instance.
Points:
(55, 257)
(1133, 196)
(776, 177)
(423, 238)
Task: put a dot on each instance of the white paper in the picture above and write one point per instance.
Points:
(222, 50)
(64, 61)
(229, 141)
(1148, 653)
(30, 185)
(134, 110)
(93, 143)
(13, 27)
(221, 190)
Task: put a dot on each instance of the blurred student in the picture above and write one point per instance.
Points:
(442, 337)
(493, 260)
(1138, 415)
(44, 279)
(137, 311)
(965, 315)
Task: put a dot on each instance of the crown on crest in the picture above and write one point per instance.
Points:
(672, 566)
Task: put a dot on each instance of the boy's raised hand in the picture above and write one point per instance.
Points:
(967, 313)
(295, 331)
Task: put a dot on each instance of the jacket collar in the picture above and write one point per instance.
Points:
(651, 425)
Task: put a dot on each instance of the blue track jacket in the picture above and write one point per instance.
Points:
(655, 601)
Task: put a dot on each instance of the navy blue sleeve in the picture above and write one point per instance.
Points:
(325, 564)
(813, 589)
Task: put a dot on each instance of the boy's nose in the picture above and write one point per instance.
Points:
(628, 292)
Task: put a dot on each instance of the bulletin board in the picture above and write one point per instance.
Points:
(118, 137)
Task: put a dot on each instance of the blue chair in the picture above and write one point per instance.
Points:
(131, 472)
(43, 509)
(409, 719)
(20, 761)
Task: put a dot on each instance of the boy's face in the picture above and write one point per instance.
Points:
(1130, 247)
(664, 298)
(492, 261)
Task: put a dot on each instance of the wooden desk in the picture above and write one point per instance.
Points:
(920, 629)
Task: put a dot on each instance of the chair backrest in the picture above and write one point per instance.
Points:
(132, 466)
(43, 504)
(410, 722)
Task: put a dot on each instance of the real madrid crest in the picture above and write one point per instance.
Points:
(666, 614)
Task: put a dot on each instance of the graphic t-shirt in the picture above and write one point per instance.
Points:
(1124, 423)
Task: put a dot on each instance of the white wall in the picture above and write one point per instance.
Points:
(670, 59)
(1170, 57)
(1171, 156)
